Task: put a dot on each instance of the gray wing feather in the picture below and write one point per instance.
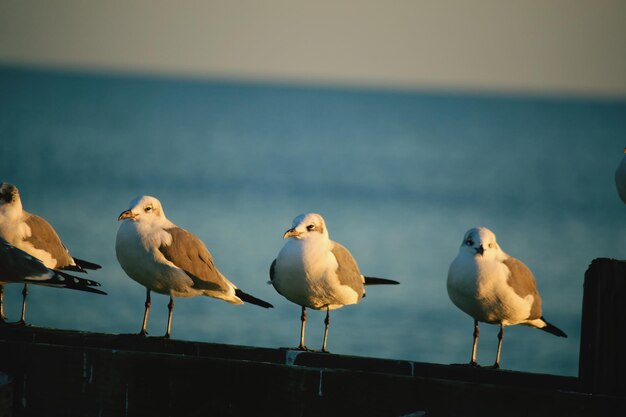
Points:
(191, 255)
(18, 266)
(348, 270)
(44, 237)
(523, 283)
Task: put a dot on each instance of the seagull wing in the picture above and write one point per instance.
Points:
(188, 253)
(18, 266)
(44, 237)
(347, 270)
(522, 281)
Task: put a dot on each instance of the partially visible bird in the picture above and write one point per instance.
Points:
(620, 178)
(493, 287)
(35, 236)
(313, 271)
(17, 266)
(169, 260)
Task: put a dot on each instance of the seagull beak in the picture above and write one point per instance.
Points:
(480, 250)
(291, 233)
(126, 215)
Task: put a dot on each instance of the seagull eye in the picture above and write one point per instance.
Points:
(469, 242)
(148, 209)
(490, 245)
(310, 227)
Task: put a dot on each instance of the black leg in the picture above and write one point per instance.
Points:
(3, 319)
(24, 295)
(500, 337)
(302, 328)
(143, 331)
(170, 309)
(475, 344)
(326, 325)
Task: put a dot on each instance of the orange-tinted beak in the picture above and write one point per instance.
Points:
(126, 215)
(291, 233)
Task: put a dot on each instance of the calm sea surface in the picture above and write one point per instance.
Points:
(398, 176)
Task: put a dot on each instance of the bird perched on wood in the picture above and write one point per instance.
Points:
(620, 178)
(493, 287)
(18, 266)
(37, 237)
(313, 271)
(169, 260)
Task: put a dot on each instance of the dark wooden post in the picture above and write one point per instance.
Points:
(602, 366)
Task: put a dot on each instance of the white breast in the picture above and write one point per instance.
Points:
(480, 288)
(137, 251)
(305, 273)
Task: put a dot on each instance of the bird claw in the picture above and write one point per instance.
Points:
(470, 364)
(299, 348)
(13, 323)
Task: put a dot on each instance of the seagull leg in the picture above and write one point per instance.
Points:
(500, 337)
(24, 295)
(143, 331)
(2, 317)
(475, 344)
(170, 308)
(326, 324)
(302, 327)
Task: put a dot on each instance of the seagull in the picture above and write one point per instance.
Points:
(495, 288)
(169, 260)
(313, 271)
(620, 178)
(35, 236)
(17, 266)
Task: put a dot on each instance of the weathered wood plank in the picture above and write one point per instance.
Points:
(132, 342)
(71, 373)
(65, 373)
(603, 329)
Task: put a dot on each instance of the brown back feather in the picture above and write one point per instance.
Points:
(523, 283)
(44, 237)
(191, 255)
(348, 271)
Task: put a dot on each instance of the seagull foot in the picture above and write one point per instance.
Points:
(14, 323)
(471, 364)
(300, 348)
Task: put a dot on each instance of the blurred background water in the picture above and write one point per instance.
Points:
(398, 176)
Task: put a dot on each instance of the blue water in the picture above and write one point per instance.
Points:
(398, 176)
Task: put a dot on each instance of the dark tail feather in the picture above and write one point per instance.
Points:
(63, 280)
(86, 264)
(379, 281)
(252, 300)
(73, 268)
(553, 329)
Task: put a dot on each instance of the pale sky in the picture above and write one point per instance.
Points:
(561, 46)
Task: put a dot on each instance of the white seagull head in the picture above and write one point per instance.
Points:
(307, 226)
(481, 242)
(144, 209)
